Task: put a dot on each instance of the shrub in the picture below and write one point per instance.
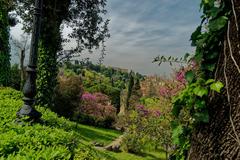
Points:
(15, 80)
(146, 129)
(112, 92)
(67, 95)
(96, 109)
(30, 142)
(55, 139)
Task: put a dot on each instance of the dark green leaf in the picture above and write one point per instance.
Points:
(195, 35)
(208, 66)
(189, 76)
(217, 24)
(176, 110)
(212, 55)
(202, 117)
(200, 104)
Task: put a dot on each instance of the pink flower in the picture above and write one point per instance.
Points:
(164, 92)
(140, 107)
(180, 76)
(88, 97)
(157, 113)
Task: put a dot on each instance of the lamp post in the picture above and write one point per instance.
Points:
(29, 90)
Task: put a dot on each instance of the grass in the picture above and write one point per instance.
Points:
(56, 138)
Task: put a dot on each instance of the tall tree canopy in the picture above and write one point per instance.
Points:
(88, 29)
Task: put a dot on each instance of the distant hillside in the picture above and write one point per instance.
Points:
(150, 86)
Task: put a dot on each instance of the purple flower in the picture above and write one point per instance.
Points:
(140, 107)
(88, 97)
(157, 113)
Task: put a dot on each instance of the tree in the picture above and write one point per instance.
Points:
(219, 139)
(23, 46)
(89, 30)
(129, 89)
(4, 45)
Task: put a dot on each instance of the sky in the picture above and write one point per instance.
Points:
(143, 29)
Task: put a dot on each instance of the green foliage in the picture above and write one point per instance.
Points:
(190, 106)
(117, 76)
(47, 73)
(147, 130)
(189, 110)
(4, 46)
(216, 86)
(67, 95)
(89, 33)
(56, 138)
(130, 89)
(15, 81)
(207, 39)
(150, 102)
(96, 82)
(189, 76)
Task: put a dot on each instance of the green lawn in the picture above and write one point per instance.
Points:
(56, 138)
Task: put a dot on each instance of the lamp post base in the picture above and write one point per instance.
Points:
(29, 114)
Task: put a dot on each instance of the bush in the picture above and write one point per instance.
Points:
(96, 109)
(30, 142)
(112, 92)
(146, 129)
(15, 80)
(67, 95)
(55, 139)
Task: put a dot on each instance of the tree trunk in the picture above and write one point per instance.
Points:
(22, 57)
(50, 43)
(219, 139)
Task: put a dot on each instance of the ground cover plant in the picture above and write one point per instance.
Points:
(55, 138)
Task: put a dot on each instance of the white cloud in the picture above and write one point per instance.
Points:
(143, 29)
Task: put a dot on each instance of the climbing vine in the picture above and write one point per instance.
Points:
(190, 106)
(4, 45)
(47, 73)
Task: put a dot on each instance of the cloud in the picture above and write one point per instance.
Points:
(143, 29)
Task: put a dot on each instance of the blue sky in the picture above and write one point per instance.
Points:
(143, 29)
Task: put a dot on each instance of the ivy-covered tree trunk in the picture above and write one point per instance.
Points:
(4, 46)
(220, 138)
(50, 44)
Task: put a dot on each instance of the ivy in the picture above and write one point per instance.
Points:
(190, 107)
(47, 73)
(4, 46)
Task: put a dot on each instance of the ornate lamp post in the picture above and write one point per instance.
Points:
(29, 89)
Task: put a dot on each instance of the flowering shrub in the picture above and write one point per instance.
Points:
(88, 97)
(148, 126)
(146, 130)
(67, 95)
(180, 76)
(96, 109)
